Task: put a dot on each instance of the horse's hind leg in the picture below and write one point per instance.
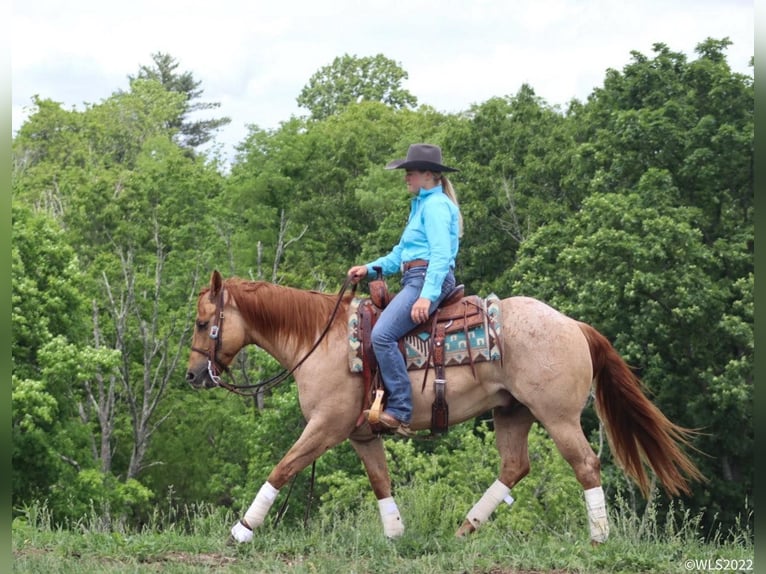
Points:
(574, 447)
(512, 426)
(373, 456)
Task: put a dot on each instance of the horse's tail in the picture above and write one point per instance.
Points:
(637, 430)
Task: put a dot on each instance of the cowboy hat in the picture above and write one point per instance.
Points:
(422, 157)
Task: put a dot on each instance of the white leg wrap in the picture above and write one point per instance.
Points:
(392, 520)
(597, 519)
(255, 514)
(487, 504)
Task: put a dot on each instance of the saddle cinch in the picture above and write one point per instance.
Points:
(457, 314)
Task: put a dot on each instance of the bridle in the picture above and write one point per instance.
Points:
(215, 368)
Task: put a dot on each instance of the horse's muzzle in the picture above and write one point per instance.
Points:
(200, 379)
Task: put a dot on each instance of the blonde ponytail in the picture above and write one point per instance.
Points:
(450, 192)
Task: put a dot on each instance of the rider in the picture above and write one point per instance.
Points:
(425, 255)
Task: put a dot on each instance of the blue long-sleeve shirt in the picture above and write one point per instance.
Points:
(432, 233)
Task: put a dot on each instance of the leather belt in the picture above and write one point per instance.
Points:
(407, 265)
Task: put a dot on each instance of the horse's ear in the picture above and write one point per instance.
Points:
(216, 283)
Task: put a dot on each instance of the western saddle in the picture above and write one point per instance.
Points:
(457, 312)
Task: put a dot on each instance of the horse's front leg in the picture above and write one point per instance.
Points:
(314, 441)
(373, 456)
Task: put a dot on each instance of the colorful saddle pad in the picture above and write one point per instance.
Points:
(483, 341)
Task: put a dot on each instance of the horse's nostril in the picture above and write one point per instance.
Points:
(189, 376)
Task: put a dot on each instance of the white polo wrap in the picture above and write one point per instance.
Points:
(389, 515)
(487, 504)
(261, 505)
(597, 519)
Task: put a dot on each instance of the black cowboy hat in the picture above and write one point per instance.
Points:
(422, 157)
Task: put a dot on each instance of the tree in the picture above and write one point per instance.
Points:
(46, 306)
(75, 164)
(136, 206)
(303, 181)
(147, 276)
(692, 119)
(659, 253)
(352, 79)
(53, 367)
(514, 154)
(191, 133)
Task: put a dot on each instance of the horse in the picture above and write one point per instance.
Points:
(550, 362)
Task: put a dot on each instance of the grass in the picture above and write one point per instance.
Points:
(194, 539)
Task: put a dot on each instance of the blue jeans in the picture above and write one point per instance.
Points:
(395, 322)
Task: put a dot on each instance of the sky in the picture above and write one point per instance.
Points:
(255, 56)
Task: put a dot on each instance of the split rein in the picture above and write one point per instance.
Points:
(214, 367)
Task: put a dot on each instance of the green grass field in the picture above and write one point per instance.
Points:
(195, 540)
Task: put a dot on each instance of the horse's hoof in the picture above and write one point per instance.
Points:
(465, 529)
(241, 533)
(393, 535)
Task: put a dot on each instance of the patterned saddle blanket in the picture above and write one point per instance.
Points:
(473, 344)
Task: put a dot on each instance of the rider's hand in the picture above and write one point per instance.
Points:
(357, 273)
(420, 308)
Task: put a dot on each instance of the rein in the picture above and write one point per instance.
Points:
(214, 366)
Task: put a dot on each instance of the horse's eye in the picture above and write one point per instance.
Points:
(202, 325)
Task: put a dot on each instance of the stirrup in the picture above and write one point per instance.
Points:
(377, 407)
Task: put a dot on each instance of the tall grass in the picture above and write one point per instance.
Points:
(194, 539)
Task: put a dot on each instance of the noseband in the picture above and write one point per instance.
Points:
(215, 368)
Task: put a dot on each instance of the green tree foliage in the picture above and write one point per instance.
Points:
(75, 165)
(205, 457)
(639, 270)
(135, 205)
(511, 181)
(52, 363)
(352, 79)
(692, 119)
(46, 299)
(45, 294)
(305, 180)
(192, 133)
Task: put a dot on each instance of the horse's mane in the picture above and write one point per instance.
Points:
(286, 313)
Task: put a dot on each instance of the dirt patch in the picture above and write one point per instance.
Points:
(198, 559)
